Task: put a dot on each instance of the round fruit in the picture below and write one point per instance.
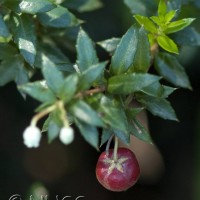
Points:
(120, 174)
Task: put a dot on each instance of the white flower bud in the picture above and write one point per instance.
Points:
(32, 136)
(66, 135)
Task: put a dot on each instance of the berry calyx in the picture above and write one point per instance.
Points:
(117, 175)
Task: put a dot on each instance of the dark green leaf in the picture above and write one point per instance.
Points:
(105, 136)
(89, 76)
(86, 53)
(157, 106)
(12, 69)
(130, 83)
(139, 131)
(188, 37)
(4, 32)
(142, 57)
(85, 113)
(167, 44)
(69, 87)
(38, 90)
(162, 8)
(53, 131)
(36, 6)
(114, 116)
(167, 91)
(59, 17)
(147, 23)
(123, 136)
(23, 30)
(83, 5)
(89, 133)
(53, 76)
(133, 112)
(178, 25)
(7, 51)
(53, 53)
(169, 67)
(109, 45)
(125, 52)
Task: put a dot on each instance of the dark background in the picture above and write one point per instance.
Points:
(71, 170)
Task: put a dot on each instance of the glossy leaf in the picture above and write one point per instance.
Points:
(169, 67)
(89, 76)
(147, 23)
(53, 76)
(125, 52)
(158, 106)
(36, 6)
(167, 44)
(83, 5)
(23, 30)
(86, 53)
(109, 45)
(89, 133)
(178, 25)
(114, 116)
(4, 32)
(142, 56)
(139, 131)
(86, 114)
(130, 83)
(59, 17)
(38, 90)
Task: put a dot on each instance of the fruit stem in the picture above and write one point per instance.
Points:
(115, 149)
(108, 145)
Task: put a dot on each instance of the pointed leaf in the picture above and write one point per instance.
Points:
(158, 106)
(86, 53)
(139, 131)
(178, 25)
(59, 17)
(130, 83)
(109, 45)
(169, 67)
(38, 90)
(147, 23)
(162, 8)
(123, 136)
(36, 6)
(142, 57)
(125, 52)
(89, 133)
(105, 136)
(85, 113)
(170, 15)
(167, 44)
(23, 30)
(89, 76)
(53, 131)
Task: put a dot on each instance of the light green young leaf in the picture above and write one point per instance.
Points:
(4, 32)
(38, 90)
(90, 75)
(139, 131)
(142, 56)
(169, 67)
(89, 133)
(23, 30)
(86, 53)
(59, 17)
(167, 44)
(53, 76)
(109, 45)
(85, 113)
(130, 83)
(162, 8)
(157, 106)
(125, 52)
(36, 6)
(147, 23)
(178, 25)
(170, 15)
